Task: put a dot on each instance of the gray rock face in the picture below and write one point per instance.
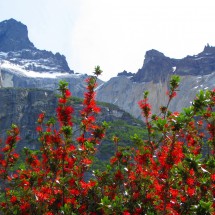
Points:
(14, 36)
(22, 107)
(156, 68)
(197, 72)
(125, 93)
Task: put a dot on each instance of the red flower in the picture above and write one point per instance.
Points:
(213, 177)
(113, 160)
(39, 129)
(24, 206)
(41, 118)
(190, 181)
(86, 161)
(48, 213)
(67, 93)
(191, 191)
(136, 195)
(174, 192)
(171, 94)
(62, 101)
(145, 107)
(74, 192)
(119, 175)
(126, 213)
(13, 199)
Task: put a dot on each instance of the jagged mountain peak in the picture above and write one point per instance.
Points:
(209, 49)
(14, 36)
(153, 53)
(125, 73)
(16, 48)
(155, 68)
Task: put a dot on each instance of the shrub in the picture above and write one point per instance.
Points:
(166, 173)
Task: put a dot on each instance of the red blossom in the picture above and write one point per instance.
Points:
(213, 177)
(145, 107)
(190, 181)
(126, 213)
(39, 129)
(24, 206)
(119, 175)
(68, 93)
(191, 191)
(13, 199)
(86, 161)
(41, 118)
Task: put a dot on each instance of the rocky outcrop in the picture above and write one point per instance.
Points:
(125, 73)
(201, 64)
(156, 67)
(22, 107)
(14, 36)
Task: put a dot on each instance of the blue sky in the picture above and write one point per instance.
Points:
(114, 34)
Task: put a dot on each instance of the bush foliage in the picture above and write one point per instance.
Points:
(172, 171)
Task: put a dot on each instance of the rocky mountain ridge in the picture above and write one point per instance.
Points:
(157, 66)
(197, 72)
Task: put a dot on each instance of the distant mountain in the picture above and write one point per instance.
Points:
(16, 47)
(197, 72)
(23, 65)
(157, 66)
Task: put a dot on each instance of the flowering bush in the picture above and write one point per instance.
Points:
(170, 172)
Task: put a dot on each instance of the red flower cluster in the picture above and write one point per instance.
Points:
(166, 173)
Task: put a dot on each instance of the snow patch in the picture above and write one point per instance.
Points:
(208, 54)
(115, 101)
(3, 54)
(199, 58)
(32, 74)
(173, 68)
(97, 88)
